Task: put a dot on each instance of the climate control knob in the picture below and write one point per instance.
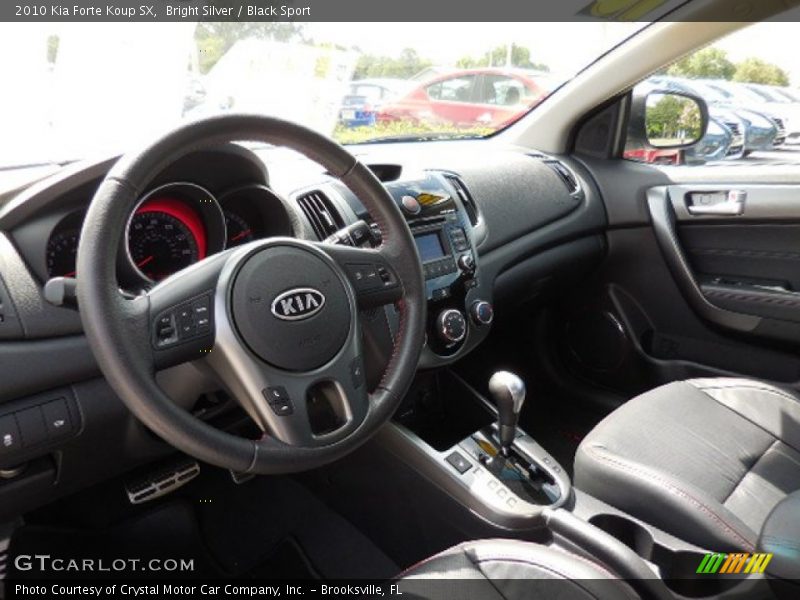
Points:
(481, 312)
(451, 326)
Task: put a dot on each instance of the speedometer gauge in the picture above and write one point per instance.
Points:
(165, 236)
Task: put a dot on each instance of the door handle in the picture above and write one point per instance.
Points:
(700, 203)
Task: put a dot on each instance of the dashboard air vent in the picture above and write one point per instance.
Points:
(321, 213)
(567, 176)
(464, 196)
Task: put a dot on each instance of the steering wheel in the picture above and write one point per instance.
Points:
(276, 320)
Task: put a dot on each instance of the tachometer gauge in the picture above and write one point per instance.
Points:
(62, 249)
(165, 236)
(239, 231)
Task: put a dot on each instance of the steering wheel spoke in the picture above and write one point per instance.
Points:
(370, 272)
(181, 313)
(298, 408)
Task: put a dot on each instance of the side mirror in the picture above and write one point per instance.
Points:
(667, 120)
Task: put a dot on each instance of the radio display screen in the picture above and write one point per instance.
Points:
(429, 246)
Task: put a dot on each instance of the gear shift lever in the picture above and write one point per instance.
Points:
(508, 392)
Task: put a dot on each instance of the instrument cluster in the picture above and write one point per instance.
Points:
(174, 226)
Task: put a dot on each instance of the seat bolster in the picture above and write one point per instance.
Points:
(775, 410)
(659, 499)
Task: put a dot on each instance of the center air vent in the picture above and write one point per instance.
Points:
(322, 215)
(566, 175)
(464, 196)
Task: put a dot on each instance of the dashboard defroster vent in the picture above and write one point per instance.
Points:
(322, 215)
(465, 197)
(566, 175)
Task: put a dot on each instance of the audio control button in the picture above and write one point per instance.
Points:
(411, 205)
(466, 262)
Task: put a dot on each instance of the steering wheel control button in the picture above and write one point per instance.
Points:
(290, 307)
(368, 278)
(357, 372)
(166, 331)
(10, 440)
(411, 205)
(202, 317)
(481, 312)
(276, 394)
(184, 322)
(451, 326)
(57, 418)
(365, 277)
(279, 401)
(458, 462)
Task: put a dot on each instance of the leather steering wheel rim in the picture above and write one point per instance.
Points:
(113, 324)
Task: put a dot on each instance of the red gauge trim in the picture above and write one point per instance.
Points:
(185, 214)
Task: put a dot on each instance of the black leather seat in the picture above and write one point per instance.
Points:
(704, 459)
(511, 570)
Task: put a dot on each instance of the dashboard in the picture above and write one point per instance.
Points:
(493, 226)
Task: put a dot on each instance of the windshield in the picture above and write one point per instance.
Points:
(76, 90)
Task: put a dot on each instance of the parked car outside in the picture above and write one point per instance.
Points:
(782, 102)
(655, 156)
(723, 140)
(489, 97)
(760, 130)
(740, 95)
(366, 96)
(788, 93)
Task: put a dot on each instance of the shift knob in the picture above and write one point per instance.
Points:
(508, 392)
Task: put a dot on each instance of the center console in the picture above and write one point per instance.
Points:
(459, 310)
(473, 449)
(446, 225)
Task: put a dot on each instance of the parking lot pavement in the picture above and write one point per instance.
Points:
(786, 155)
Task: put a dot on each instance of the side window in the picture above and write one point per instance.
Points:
(750, 94)
(456, 89)
(502, 91)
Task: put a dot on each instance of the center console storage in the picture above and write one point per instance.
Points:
(675, 561)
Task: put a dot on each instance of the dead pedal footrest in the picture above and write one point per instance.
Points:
(162, 481)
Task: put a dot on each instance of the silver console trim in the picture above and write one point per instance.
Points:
(469, 489)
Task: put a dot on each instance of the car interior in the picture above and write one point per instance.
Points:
(516, 360)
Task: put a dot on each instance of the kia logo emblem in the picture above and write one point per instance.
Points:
(297, 304)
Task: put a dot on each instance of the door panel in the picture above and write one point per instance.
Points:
(736, 261)
(697, 295)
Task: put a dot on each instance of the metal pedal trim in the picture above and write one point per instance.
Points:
(155, 486)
